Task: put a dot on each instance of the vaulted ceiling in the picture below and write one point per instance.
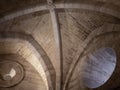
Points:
(49, 39)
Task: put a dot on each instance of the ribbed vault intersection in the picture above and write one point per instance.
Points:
(54, 36)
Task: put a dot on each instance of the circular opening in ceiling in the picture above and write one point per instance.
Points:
(98, 67)
(11, 73)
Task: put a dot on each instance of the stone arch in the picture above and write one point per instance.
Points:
(39, 55)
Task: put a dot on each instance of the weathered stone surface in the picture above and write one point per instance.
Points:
(53, 37)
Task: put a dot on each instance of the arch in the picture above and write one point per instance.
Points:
(61, 6)
(42, 57)
(88, 42)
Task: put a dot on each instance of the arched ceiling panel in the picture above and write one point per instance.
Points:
(29, 81)
(30, 56)
(79, 20)
(11, 46)
(35, 25)
(76, 26)
(99, 41)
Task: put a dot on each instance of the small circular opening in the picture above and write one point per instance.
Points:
(98, 67)
(10, 75)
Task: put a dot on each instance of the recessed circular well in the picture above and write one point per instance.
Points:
(98, 67)
(11, 73)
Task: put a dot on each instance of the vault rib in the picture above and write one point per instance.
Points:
(61, 6)
(46, 63)
(57, 37)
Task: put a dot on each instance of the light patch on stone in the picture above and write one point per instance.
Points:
(98, 67)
